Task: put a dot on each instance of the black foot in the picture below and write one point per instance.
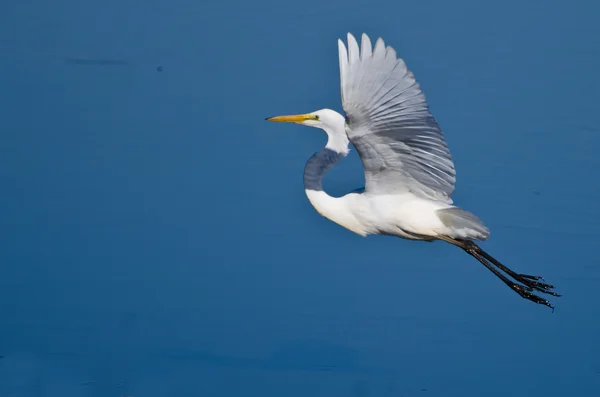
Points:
(525, 292)
(535, 282)
(538, 286)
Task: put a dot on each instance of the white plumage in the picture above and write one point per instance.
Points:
(409, 172)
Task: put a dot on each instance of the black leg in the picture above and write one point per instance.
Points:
(526, 279)
(530, 283)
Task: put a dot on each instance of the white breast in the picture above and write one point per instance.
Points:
(345, 211)
(404, 215)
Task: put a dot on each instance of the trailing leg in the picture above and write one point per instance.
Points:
(530, 283)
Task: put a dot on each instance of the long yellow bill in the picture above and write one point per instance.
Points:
(296, 118)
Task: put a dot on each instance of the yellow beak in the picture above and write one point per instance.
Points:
(296, 118)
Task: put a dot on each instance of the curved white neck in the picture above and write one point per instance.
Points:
(336, 209)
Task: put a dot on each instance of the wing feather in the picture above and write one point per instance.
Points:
(388, 121)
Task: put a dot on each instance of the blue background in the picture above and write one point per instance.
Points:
(155, 238)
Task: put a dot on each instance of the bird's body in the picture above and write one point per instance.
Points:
(403, 215)
(409, 172)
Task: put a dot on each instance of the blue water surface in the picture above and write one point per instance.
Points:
(155, 239)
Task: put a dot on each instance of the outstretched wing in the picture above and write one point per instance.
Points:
(388, 121)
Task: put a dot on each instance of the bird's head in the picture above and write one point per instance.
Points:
(326, 119)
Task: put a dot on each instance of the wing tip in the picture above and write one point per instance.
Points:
(350, 38)
(379, 42)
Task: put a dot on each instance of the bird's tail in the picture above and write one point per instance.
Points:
(462, 224)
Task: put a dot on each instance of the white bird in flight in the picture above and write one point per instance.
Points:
(409, 172)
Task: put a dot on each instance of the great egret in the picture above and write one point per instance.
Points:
(409, 172)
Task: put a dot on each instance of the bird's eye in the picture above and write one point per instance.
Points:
(316, 117)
